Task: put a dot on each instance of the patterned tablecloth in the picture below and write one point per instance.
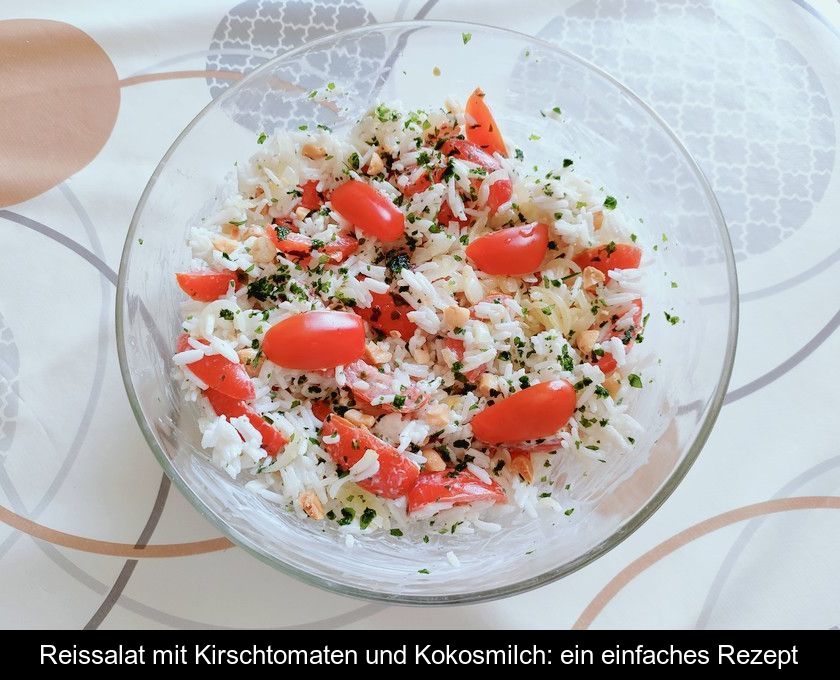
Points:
(93, 93)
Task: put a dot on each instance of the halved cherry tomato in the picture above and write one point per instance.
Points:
(453, 488)
(219, 373)
(315, 340)
(397, 474)
(367, 384)
(389, 312)
(288, 241)
(369, 210)
(513, 251)
(535, 412)
(457, 346)
(611, 256)
(310, 199)
(321, 409)
(206, 286)
(223, 405)
(607, 362)
(501, 190)
(484, 132)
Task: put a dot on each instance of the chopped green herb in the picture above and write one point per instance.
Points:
(557, 110)
(602, 392)
(672, 319)
(518, 154)
(262, 138)
(347, 515)
(674, 284)
(399, 401)
(569, 512)
(466, 37)
(566, 361)
(396, 532)
(330, 86)
(633, 237)
(567, 162)
(367, 518)
(422, 571)
(610, 202)
(226, 314)
(533, 137)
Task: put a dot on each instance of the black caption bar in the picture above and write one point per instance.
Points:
(744, 651)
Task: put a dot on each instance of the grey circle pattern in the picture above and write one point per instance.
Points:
(9, 367)
(256, 30)
(750, 109)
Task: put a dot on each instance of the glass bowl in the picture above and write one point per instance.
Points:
(613, 137)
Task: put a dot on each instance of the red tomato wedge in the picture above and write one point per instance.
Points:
(310, 199)
(445, 216)
(219, 373)
(369, 210)
(321, 409)
(315, 340)
(457, 346)
(387, 313)
(452, 488)
(342, 247)
(396, 475)
(611, 256)
(206, 286)
(367, 384)
(484, 132)
(423, 182)
(289, 242)
(607, 363)
(533, 413)
(223, 405)
(501, 190)
(511, 252)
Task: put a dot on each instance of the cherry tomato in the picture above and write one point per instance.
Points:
(206, 286)
(607, 362)
(315, 340)
(535, 412)
(369, 210)
(288, 241)
(310, 199)
(611, 256)
(219, 373)
(396, 475)
(485, 133)
(367, 384)
(512, 251)
(453, 488)
(501, 190)
(457, 346)
(223, 405)
(389, 312)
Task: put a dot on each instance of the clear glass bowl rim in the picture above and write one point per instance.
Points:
(625, 529)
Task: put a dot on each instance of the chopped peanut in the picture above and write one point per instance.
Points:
(611, 384)
(456, 317)
(592, 277)
(253, 231)
(375, 165)
(487, 383)
(437, 415)
(224, 244)
(597, 219)
(359, 418)
(375, 354)
(313, 151)
(434, 463)
(522, 466)
(248, 358)
(586, 341)
(301, 212)
(263, 250)
(311, 504)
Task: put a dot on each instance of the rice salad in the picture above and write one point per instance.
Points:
(407, 326)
